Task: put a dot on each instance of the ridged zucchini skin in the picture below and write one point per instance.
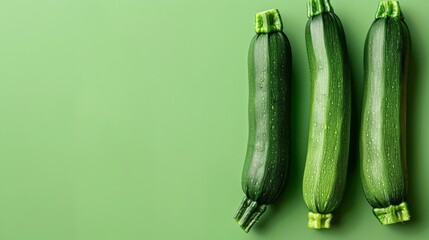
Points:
(267, 158)
(329, 132)
(383, 126)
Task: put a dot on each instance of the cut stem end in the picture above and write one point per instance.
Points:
(248, 213)
(319, 220)
(316, 7)
(389, 9)
(268, 21)
(393, 214)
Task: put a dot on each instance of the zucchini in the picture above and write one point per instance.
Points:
(382, 135)
(329, 131)
(266, 163)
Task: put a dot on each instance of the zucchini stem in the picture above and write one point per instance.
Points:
(393, 214)
(389, 9)
(319, 220)
(248, 213)
(268, 21)
(316, 7)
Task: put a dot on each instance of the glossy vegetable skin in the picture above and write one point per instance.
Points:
(329, 132)
(267, 159)
(383, 128)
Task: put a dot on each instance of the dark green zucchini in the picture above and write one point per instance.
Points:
(265, 168)
(328, 142)
(382, 138)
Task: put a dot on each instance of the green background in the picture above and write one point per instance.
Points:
(128, 120)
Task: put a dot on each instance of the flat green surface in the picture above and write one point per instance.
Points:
(128, 120)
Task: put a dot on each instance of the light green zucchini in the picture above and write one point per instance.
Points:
(329, 132)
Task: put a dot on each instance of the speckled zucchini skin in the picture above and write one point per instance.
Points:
(329, 132)
(383, 129)
(267, 158)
